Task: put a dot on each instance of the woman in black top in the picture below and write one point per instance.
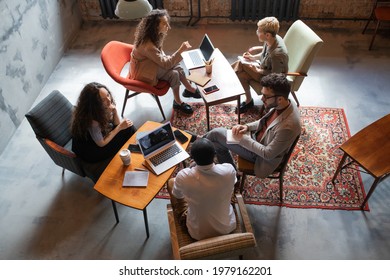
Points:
(98, 133)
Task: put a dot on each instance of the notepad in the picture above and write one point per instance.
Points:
(199, 78)
(137, 179)
(234, 139)
(247, 61)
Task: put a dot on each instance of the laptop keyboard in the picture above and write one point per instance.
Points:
(165, 155)
(196, 59)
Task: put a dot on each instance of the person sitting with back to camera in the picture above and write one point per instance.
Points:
(98, 133)
(149, 63)
(272, 57)
(201, 194)
(270, 137)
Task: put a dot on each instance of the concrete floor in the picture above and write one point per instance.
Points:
(47, 216)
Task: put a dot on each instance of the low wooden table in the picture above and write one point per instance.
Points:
(225, 78)
(369, 148)
(110, 182)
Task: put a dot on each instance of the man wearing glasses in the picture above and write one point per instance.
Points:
(270, 137)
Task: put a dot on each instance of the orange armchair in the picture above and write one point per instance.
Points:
(115, 55)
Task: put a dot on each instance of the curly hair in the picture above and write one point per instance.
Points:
(147, 29)
(90, 107)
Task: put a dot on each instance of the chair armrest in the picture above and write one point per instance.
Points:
(218, 245)
(244, 213)
(256, 49)
(296, 74)
(58, 148)
(173, 232)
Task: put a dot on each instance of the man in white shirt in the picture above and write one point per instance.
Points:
(202, 193)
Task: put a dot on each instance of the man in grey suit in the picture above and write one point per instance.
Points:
(267, 140)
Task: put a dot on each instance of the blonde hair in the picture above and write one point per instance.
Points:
(269, 25)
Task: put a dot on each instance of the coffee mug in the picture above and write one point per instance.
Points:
(125, 156)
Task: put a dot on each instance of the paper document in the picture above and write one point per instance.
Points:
(234, 139)
(199, 78)
(247, 61)
(136, 179)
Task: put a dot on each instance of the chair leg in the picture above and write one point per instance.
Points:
(281, 188)
(373, 37)
(368, 22)
(242, 182)
(159, 106)
(295, 97)
(124, 102)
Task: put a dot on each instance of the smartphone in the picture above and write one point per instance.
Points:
(210, 89)
(180, 136)
(134, 148)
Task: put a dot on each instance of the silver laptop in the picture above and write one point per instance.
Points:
(160, 148)
(195, 58)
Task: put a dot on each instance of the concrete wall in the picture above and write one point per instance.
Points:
(33, 37)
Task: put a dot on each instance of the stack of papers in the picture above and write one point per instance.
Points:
(136, 179)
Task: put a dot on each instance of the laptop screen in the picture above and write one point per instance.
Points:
(156, 139)
(206, 47)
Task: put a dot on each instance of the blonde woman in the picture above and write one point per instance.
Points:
(260, 61)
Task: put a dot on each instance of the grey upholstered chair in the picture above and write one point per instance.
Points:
(51, 119)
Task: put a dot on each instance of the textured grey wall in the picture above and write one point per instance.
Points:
(33, 37)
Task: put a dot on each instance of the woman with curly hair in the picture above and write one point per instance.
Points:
(149, 63)
(98, 133)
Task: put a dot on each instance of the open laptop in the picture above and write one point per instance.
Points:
(194, 58)
(160, 148)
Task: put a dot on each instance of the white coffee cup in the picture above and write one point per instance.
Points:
(125, 156)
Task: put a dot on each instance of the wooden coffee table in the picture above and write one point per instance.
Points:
(370, 149)
(110, 182)
(225, 78)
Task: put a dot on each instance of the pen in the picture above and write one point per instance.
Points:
(140, 169)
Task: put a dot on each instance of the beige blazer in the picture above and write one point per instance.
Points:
(276, 140)
(147, 59)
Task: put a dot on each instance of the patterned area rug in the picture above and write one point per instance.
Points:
(311, 167)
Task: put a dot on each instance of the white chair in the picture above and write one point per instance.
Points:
(302, 46)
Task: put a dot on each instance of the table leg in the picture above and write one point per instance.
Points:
(208, 117)
(238, 109)
(199, 14)
(146, 222)
(373, 186)
(339, 167)
(191, 13)
(115, 211)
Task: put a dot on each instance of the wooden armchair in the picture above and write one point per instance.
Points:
(224, 246)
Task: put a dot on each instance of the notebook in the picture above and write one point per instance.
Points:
(160, 148)
(195, 58)
(234, 139)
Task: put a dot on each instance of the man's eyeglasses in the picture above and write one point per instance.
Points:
(268, 97)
